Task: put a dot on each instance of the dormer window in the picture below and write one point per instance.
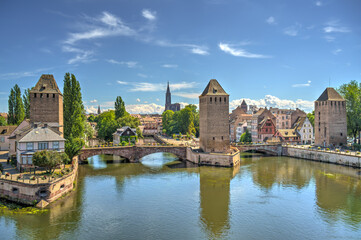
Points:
(214, 90)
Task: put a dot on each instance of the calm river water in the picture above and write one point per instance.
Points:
(160, 198)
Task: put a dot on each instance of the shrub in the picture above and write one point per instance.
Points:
(327, 149)
(319, 148)
(32, 178)
(1, 168)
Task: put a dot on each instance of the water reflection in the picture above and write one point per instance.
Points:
(162, 201)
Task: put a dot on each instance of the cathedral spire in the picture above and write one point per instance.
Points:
(168, 100)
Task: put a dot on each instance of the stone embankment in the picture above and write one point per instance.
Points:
(27, 191)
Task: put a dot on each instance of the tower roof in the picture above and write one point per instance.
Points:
(243, 103)
(213, 88)
(46, 84)
(330, 94)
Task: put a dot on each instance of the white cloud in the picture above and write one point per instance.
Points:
(148, 14)
(272, 101)
(17, 75)
(122, 83)
(336, 51)
(129, 64)
(138, 99)
(271, 20)
(142, 75)
(83, 56)
(93, 101)
(157, 99)
(302, 84)
(91, 109)
(291, 31)
(329, 38)
(335, 26)
(199, 51)
(227, 48)
(104, 26)
(318, 3)
(144, 108)
(169, 65)
(186, 95)
(156, 87)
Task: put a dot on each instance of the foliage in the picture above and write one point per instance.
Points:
(1, 168)
(119, 108)
(49, 159)
(16, 112)
(88, 130)
(311, 117)
(128, 120)
(2, 121)
(107, 125)
(356, 147)
(351, 92)
(185, 121)
(26, 102)
(91, 118)
(73, 146)
(73, 108)
(246, 137)
(139, 133)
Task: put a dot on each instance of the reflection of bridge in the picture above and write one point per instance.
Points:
(133, 153)
(271, 149)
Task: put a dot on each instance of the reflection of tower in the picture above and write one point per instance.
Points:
(214, 198)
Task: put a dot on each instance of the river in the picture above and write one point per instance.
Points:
(161, 198)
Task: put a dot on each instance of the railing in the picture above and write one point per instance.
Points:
(323, 149)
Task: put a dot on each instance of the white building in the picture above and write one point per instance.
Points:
(305, 129)
(37, 138)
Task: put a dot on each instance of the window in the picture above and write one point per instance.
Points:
(43, 145)
(210, 99)
(214, 138)
(220, 99)
(47, 95)
(30, 160)
(341, 134)
(41, 95)
(2, 139)
(53, 95)
(56, 145)
(29, 146)
(34, 95)
(215, 99)
(225, 99)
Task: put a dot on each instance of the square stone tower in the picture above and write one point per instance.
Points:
(46, 103)
(330, 119)
(214, 118)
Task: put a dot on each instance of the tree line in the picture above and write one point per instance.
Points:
(185, 121)
(19, 107)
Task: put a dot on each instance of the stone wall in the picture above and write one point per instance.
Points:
(27, 193)
(213, 159)
(328, 157)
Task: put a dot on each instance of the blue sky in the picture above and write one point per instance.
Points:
(271, 53)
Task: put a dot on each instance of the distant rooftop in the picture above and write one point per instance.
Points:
(330, 94)
(213, 88)
(46, 84)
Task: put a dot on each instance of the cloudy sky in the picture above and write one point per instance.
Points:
(272, 53)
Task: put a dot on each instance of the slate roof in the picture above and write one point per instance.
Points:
(243, 103)
(330, 94)
(46, 84)
(299, 123)
(213, 89)
(40, 134)
(7, 130)
(120, 131)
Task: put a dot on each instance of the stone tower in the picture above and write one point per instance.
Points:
(214, 118)
(46, 102)
(168, 99)
(330, 119)
(244, 106)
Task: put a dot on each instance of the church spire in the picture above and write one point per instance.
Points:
(99, 109)
(168, 100)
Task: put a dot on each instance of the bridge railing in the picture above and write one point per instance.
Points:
(324, 149)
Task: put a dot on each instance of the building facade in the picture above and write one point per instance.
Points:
(46, 103)
(214, 118)
(257, 119)
(330, 119)
(5, 132)
(288, 136)
(124, 134)
(304, 128)
(168, 102)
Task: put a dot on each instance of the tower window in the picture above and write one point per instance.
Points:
(47, 95)
(210, 99)
(225, 99)
(53, 95)
(41, 95)
(34, 95)
(220, 99)
(215, 99)
(341, 134)
(214, 138)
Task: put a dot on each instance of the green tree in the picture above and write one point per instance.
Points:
(119, 108)
(311, 117)
(186, 121)
(107, 125)
(88, 130)
(246, 137)
(26, 102)
(19, 111)
(11, 105)
(351, 92)
(91, 118)
(139, 133)
(73, 146)
(2, 121)
(167, 117)
(128, 120)
(49, 159)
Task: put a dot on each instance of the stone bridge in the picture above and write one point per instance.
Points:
(133, 153)
(271, 149)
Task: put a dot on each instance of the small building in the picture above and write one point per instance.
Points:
(38, 137)
(287, 136)
(5, 132)
(125, 134)
(257, 118)
(305, 129)
(330, 119)
(16, 134)
(266, 129)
